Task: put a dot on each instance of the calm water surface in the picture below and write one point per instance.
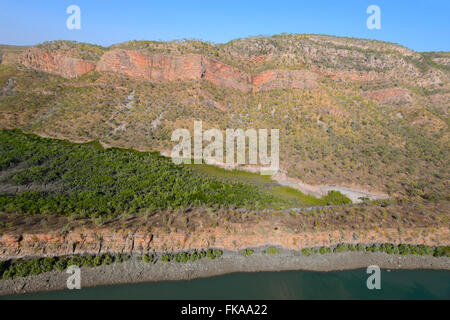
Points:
(397, 284)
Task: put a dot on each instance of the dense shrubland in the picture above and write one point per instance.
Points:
(58, 177)
(401, 249)
(89, 180)
(26, 267)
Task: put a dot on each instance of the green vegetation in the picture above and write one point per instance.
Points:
(324, 250)
(402, 249)
(271, 250)
(291, 196)
(149, 258)
(21, 268)
(336, 198)
(247, 252)
(87, 180)
(334, 134)
(184, 257)
(25, 267)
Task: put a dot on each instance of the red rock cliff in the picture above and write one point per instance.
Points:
(55, 63)
(159, 67)
(172, 67)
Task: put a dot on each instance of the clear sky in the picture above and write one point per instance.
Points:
(420, 25)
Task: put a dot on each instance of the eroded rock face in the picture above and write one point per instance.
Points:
(93, 241)
(158, 67)
(223, 75)
(151, 67)
(195, 67)
(55, 63)
(172, 67)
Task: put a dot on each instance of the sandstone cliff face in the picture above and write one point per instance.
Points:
(238, 64)
(151, 67)
(228, 229)
(159, 240)
(55, 63)
(222, 75)
(195, 67)
(172, 67)
(289, 62)
(158, 67)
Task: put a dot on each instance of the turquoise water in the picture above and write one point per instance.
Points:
(397, 284)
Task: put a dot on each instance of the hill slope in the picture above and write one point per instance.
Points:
(351, 113)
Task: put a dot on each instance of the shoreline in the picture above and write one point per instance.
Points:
(134, 271)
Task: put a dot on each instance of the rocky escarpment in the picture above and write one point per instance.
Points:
(102, 240)
(234, 230)
(52, 62)
(253, 64)
(195, 67)
(172, 67)
(159, 67)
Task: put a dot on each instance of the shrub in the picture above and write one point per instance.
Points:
(341, 248)
(166, 258)
(210, 254)
(404, 249)
(218, 253)
(336, 198)
(194, 256)
(271, 250)
(247, 252)
(97, 261)
(61, 264)
(306, 252)
(148, 258)
(442, 252)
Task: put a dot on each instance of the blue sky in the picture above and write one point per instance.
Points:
(419, 25)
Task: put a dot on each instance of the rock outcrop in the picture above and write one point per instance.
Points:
(195, 67)
(151, 67)
(159, 67)
(54, 63)
(172, 67)
(104, 240)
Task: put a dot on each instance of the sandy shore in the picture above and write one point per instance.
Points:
(134, 271)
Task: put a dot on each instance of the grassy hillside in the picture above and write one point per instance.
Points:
(378, 118)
